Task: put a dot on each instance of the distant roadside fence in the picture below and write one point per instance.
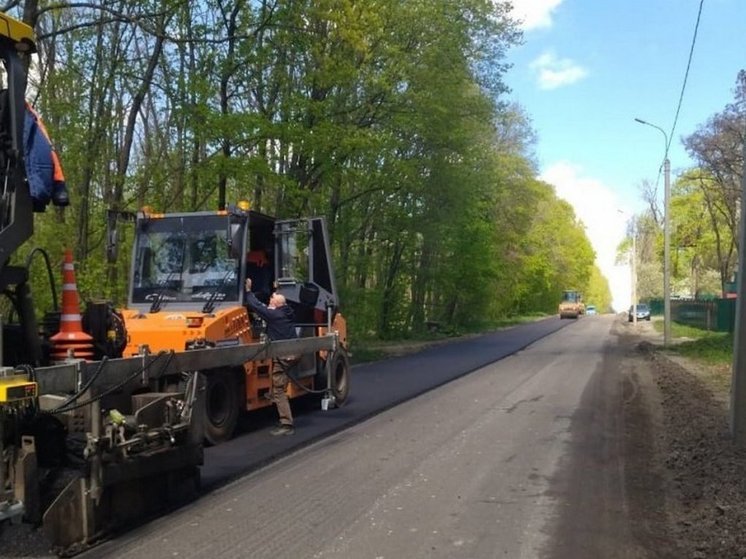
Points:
(718, 315)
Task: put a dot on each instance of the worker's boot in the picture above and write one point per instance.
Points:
(282, 430)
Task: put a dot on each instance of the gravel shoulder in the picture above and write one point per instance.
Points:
(701, 470)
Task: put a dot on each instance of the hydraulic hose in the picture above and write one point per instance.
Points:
(49, 272)
(297, 383)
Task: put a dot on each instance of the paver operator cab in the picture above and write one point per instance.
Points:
(187, 279)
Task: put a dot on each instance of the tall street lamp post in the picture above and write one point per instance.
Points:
(666, 239)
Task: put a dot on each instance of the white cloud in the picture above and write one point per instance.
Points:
(534, 14)
(605, 217)
(553, 72)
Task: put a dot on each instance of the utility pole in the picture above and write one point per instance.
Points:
(633, 267)
(738, 378)
(666, 238)
(666, 250)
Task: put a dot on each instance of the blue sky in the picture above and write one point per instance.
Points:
(587, 68)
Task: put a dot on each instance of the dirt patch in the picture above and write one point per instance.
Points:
(652, 471)
(703, 472)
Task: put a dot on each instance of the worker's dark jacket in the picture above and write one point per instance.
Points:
(280, 321)
(43, 169)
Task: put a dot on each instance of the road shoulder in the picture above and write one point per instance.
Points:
(701, 470)
(612, 483)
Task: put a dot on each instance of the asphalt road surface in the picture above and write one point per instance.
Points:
(482, 466)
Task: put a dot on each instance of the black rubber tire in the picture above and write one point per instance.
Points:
(221, 406)
(340, 367)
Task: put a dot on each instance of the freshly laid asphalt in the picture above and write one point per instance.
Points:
(375, 387)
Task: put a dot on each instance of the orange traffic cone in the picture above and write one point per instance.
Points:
(71, 340)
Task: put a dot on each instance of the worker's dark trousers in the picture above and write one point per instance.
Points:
(279, 387)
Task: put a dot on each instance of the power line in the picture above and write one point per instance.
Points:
(686, 75)
(669, 139)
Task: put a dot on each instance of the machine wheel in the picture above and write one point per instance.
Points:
(340, 366)
(221, 406)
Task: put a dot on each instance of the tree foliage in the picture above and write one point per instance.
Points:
(705, 210)
(388, 118)
(717, 146)
(598, 292)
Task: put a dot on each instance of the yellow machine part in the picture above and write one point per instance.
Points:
(17, 389)
(18, 32)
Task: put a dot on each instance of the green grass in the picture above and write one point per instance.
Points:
(711, 352)
(716, 349)
(712, 348)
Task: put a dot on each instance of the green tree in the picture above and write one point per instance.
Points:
(389, 118)
(597, 292)
(556, 254)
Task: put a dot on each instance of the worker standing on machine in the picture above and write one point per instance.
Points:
(280, 326)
